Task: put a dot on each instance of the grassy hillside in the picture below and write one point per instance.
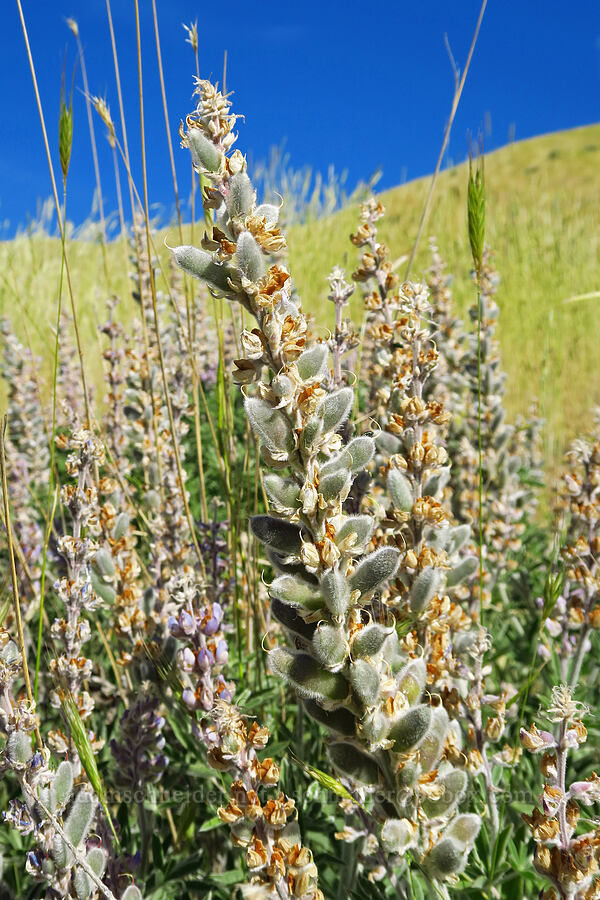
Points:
(543, 219)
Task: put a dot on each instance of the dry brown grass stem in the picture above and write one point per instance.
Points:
(90, 119)
(166, 115)
(459, 83)
(189, 293)
(58, 214)
(154, 304)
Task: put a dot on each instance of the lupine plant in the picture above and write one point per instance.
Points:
(246, 573)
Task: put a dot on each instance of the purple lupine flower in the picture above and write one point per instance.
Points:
(138, 754)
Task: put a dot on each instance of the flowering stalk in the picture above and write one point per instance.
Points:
(566, 859)
(197, 623)
(267, 829)
(70, 667)
(349, 667)
(436, 554)
(60, 858)
(577, 612)
(344, 337)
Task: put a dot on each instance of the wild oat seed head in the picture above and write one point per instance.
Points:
(192, 31)
(101, 107)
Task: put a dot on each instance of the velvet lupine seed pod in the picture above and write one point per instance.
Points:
(270, 426)
(199, 264)
(205, 155)
(376, 569)
(369, 641)
(295, 592)
(410, 729)
(281, 536)
(241, 195)
(354, 763)
(249, 257)
(397, 835)
(308, 678)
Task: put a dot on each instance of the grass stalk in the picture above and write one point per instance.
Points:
(459, 83)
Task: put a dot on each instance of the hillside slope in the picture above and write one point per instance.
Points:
(543, 221)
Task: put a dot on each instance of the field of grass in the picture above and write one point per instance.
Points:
(543, 221)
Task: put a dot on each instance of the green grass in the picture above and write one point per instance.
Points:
(543, 220)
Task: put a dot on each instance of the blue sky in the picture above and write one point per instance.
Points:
(358, 84)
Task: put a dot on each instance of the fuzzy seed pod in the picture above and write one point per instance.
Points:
(79, 820)
(396, 835)
(365, 682)
(282, 536)
(105, 591)
(424, 588)
(335, 590)
(463, 570)
(312, 364)
(358, 528)
(339, 720)
(249, 257)
(121, 526)
(455, 784)
(464, 828)
(432, 745)
(408, 732)
(369, 641)
(457, 538)
(375, 569)
(296, 592)
(270, 426)
(307, 677)
(411, 680)
(329, 645)
(374, 726)
(351, 761)
(104, 563)
(400, 490)
(241, 195)
(335, 408)
(18, 748)
(282, 492)
(355, 456)
(132, 893)
(200, 264)
(446, 858)
(60, 852)
(268, 212)
(205, 156)
(96, 859)
(334, 485)
(290, 619)
(62, 784)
